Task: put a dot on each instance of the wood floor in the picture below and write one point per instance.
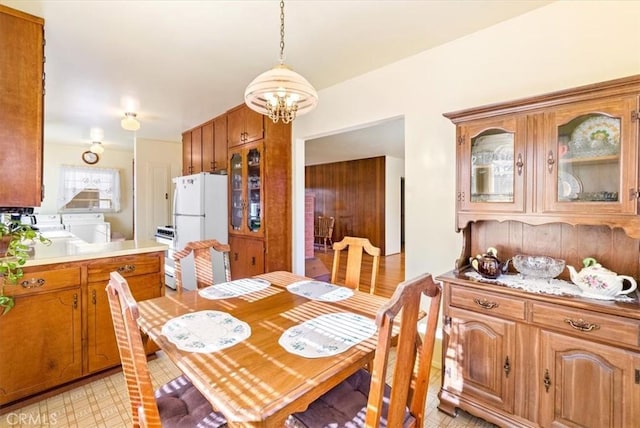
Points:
(390, 272)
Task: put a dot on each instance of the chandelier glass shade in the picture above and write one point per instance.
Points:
(129, 122)
(97, 147)
(281, 93)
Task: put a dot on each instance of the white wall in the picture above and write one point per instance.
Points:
(151, 155)
(56, 155)
(394, 171)
(559, 46)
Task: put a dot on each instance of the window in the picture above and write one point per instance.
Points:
(89, 189)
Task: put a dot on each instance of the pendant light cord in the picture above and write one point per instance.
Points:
(281, 31)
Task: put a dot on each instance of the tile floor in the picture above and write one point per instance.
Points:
(104, 403)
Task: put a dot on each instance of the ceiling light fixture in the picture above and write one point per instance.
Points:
(281, 93)
(97, 135)
(129, 122)
(97, 147)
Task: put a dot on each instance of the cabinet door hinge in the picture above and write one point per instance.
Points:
(635, 115)
(634, 194)
(460, 140)
(637, 376)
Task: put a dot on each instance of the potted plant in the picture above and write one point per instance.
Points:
(16, 240)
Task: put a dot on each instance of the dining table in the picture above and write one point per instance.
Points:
(272, 348)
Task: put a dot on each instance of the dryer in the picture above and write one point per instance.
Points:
(90, 227)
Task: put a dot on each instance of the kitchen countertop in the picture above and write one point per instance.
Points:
(72, 249)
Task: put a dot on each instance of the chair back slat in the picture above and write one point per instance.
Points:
(408, 386)
(356, 247)
(202, 259)
(124, 313)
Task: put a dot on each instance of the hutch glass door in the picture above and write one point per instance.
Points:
(590, 157)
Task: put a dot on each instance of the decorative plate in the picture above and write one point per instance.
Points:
(598, 135)
(227, 290)
(568, 186)
(319, 290)
(205, 331)
(327, 335)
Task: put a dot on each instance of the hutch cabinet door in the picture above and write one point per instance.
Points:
(478, 359)
(220, 143)
(587, 384)
(590, 158)
(244, 126)
(246, 258)
(492, 165)
(246, 190)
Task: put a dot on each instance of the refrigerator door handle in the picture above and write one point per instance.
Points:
(175, 217)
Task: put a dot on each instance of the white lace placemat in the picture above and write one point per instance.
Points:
(205, 331)
(320, 290)
(327, 335)
(558, 287)
(227, 290)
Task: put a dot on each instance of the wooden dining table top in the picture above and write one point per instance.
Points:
(257, 382)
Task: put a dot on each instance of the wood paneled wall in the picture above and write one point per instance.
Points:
(611, 247)
(353, 193)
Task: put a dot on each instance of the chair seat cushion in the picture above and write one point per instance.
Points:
(345, 406)
(181, 405)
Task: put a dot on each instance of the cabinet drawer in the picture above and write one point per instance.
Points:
(488, 303)
(587, 324)
(39, 279)
(127, 266)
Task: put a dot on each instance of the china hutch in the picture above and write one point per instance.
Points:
(257, 159)
(553, 175)
(259, 193)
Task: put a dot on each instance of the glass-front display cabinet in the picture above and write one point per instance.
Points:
(491, 177)
(246, 195)
(590, 159)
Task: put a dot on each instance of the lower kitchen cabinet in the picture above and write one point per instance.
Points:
(41, 337)
(247, 257)
(520, 359)
(60, 328)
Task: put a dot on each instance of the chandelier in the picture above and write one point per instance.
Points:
(281, 93)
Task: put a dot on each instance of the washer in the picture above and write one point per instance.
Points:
(90, 227)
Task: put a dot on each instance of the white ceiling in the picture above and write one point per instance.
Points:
(185, 62)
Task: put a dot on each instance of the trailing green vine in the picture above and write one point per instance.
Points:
(18, 238)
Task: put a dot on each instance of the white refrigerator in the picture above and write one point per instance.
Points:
(200, 212)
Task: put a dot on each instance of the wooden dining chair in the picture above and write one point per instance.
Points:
(202, 258)
(177, 403)
(365, 399)
(355, 248)
(324, 231)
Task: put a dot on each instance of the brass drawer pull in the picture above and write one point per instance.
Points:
(33, 283)
(485, 304)
(126, 268)
(581, 324)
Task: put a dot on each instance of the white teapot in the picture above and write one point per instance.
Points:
(598, 282)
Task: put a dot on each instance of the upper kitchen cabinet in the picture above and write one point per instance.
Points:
(244, 126)
(565, 157)
(21, 108)
(204, 148)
